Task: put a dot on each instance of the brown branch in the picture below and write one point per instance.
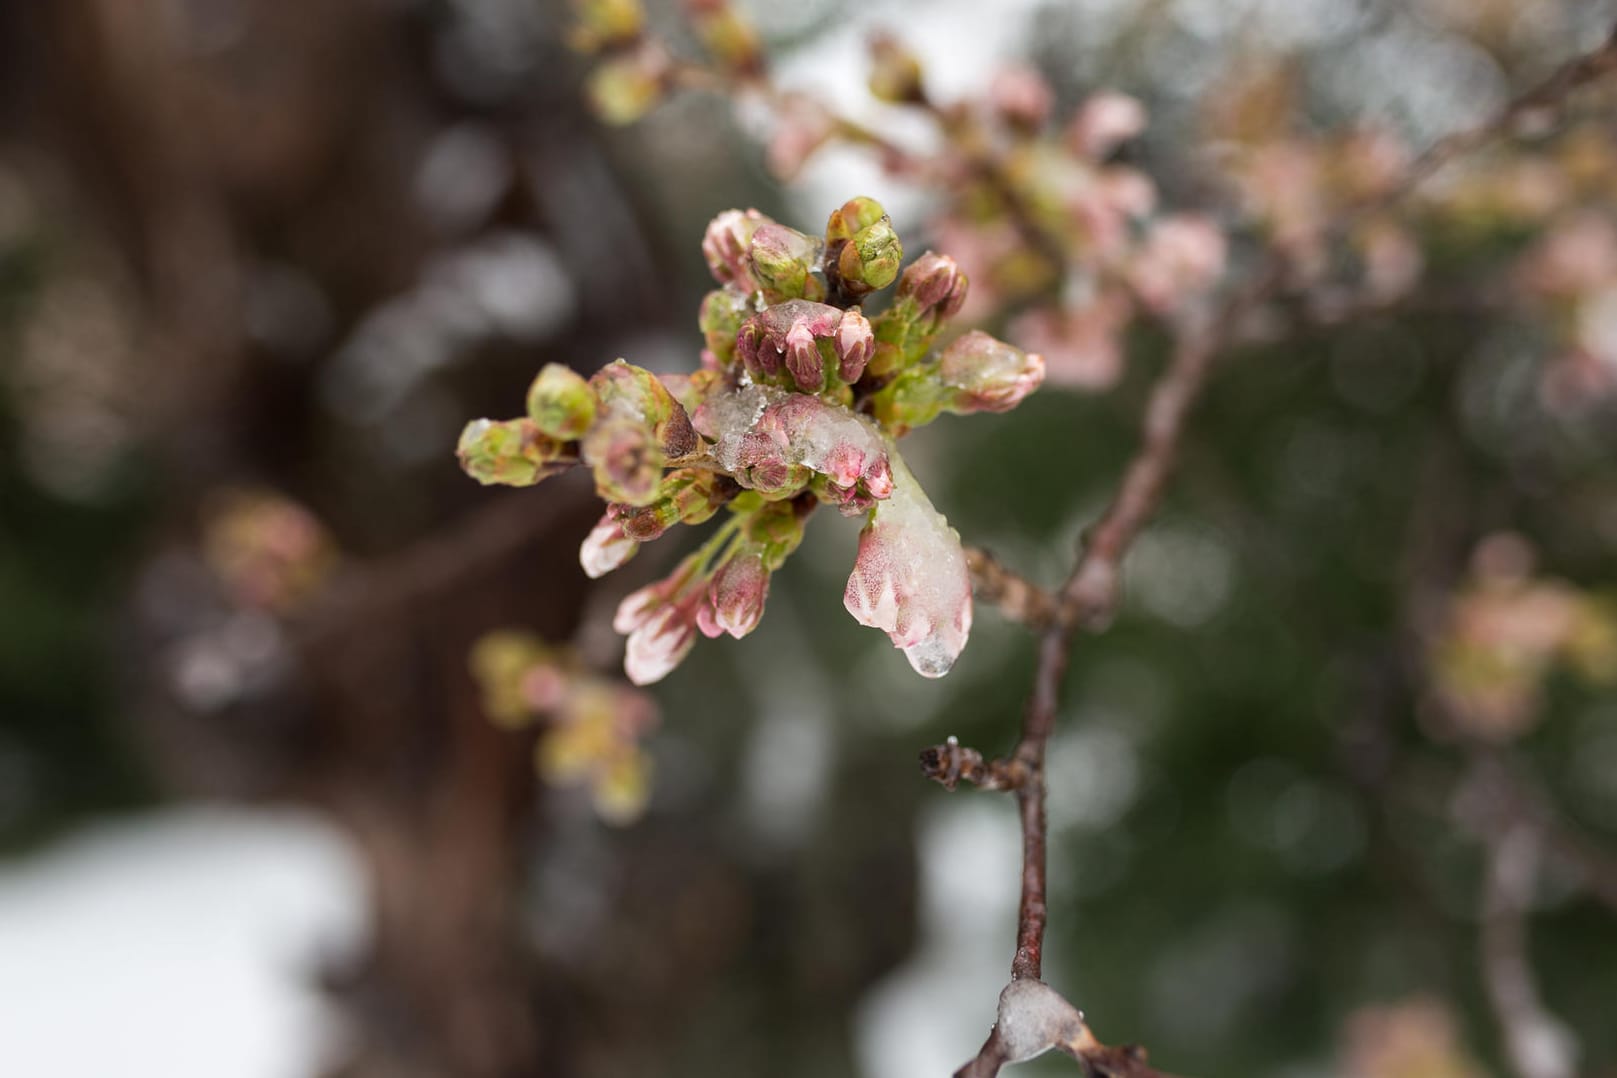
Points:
(1090, 596)
(1018, 598)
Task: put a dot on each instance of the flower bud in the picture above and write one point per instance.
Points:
(784, 261)
(808, 342)
(723, 311)
(1022, 98)
(735, 599)
(662, 631)
(988, 375)
(935, 282)
(634, 393)
(561, 403)
(1103, 122)
(513, 453)
(606, 547)
(728, 37)
(625, 87)
(626, 460)
(803, 359)
(867, 250)
(855, 344)
(725, 245)
(895, 72)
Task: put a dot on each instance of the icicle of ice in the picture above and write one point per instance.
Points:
(819, 435)
(910, 579)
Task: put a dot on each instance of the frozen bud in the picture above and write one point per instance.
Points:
(626, 460)
(606, 547)
(687, 496)
(799, 336)
(855, 343)
(1103, 122)
(735, 599)
(625, 87)
(895, 72)
(860, 236)
(784, 262)
(935, 281)
(725, 245)
(625, 391)
(910, 578)
(1022, 97)
(773, 441)
(988, 375)
(513, 453)
(723, 311)
(607, 23)
(561, 402)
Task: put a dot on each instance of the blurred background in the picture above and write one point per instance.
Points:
(261, 259)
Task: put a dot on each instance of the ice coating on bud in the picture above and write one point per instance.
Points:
(788, 336)
(725, 245)
(634, 394)
(865, 246)
(561, 402)
(910, 578)
(1105, 121)
(762, 423)
(512, 453)
(735, 599)
(783, 262)
(988, 375)
(935, 281)
(606, 547)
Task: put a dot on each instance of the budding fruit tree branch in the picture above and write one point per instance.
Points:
(1089, 597)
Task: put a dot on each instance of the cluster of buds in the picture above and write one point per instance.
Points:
(798, 402)
(590, 727)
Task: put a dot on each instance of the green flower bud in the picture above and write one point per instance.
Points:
(895, 72)
(513, 453)
(784, 262)
(626, 459)
(629, 392)
(561, 403)
(607, 23)
(624, 88)
(723, 311)
(729, 38)
(861, 239)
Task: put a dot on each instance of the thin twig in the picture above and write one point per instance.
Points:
(1018, 598)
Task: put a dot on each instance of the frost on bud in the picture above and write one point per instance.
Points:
(606, 547)
(631, 392)
(722, 313)
(561, 403)
(988, 375)
(936, 283)
(606, 24)
(864, 246)
(784, 263)
(910, 578)
(625, 87)
(725, 245)
(805, 344)
(512, 453)
(761, 431)
(1105, 121)
(895, 72)
(735, 599)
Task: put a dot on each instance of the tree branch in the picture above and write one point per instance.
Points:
(1090, 596)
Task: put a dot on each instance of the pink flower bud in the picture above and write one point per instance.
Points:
(1104, 121)
(725, 245)
(803, 359)
(988, 375)
(855, 344)
(606, 547)
(735, 599)
(660, 643)
(935, 281)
